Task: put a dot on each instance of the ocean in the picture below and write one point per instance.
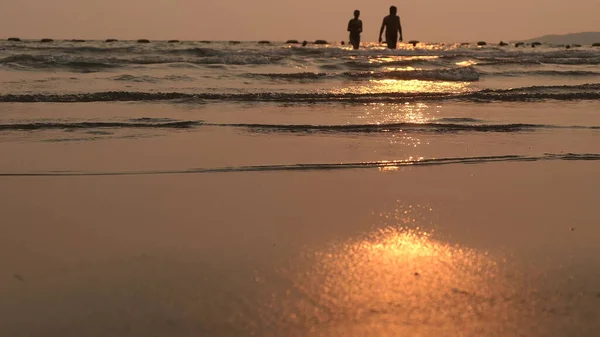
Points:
(224, 188)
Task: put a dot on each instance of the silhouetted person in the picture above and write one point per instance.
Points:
(355, 27)
(393, 29)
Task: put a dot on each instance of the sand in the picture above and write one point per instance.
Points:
(510, 249)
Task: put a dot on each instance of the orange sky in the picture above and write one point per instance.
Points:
(426, 20)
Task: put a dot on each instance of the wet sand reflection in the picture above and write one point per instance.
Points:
(403, 282)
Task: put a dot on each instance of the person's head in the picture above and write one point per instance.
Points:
(393, 10)
(356, 14)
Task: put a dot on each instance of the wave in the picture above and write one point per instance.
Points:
(166, 123)
(144, 123)
(326, 166)
(591, 88)
(524, 94)
(559, 58)
(392, 127)
(96, 56)
(292, 76)
(197, 51)
(75, 49)
(572, 73)
(440, 60)
(150, 79)
(458, 120)
(541, 60)
(190, 47)
(108, 96)
(463, 74)
(26, 61)
(78, 62)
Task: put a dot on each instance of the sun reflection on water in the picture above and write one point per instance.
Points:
(404, 86)
(400, 59)
(466, 63)
(413, 113)
(383, 113)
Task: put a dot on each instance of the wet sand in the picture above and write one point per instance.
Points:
(500, 249)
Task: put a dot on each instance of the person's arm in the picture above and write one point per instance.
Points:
(400, 29)
(381, 30)
(349, 25)
(360, 26)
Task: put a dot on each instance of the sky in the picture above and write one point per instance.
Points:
(423, 20)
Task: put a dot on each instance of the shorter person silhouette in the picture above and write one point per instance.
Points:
(393, 28)
(355, 27)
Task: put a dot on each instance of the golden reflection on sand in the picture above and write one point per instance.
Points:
(395, 282)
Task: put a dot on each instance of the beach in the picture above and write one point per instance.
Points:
(246, 190)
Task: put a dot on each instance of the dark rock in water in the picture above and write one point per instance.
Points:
(14, 39)
(343, 43)
(465, 44)
(111, 40)
(502, 43)
(321, 42)
(519, 44)
(568, 46)
(264, 42)
(292, 42)
(413, 42)
(597, 44)
(204, 41)
(143, 41)
(174, 41)
(234, 42)
(304, 43)
(575, 45)
(78, 41)
(46, 40)
(534, 44)
(481, 43)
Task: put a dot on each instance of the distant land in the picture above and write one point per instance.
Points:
(584, 38)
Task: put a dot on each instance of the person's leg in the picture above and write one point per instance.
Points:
(355, 40)
(392, 42)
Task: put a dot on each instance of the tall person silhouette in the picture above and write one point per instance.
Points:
(393, 29)
(355, 27)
